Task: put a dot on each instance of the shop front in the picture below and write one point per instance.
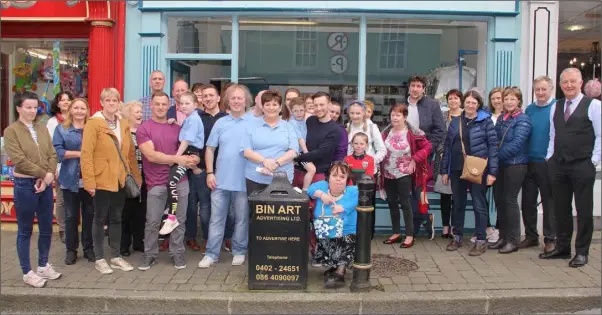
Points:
(53, 46)
(353, 50)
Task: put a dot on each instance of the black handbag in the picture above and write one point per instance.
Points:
(132, 190)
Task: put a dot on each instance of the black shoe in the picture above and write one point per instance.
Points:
(508, 248)
(71, 258)
(578, 261)
(526, 243)
(125, 252)
(62, 236)
(336, 281)
(89, 255)
(556, 254)
(497, 245)
(329, 273)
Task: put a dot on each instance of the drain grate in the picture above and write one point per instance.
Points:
(390, 266)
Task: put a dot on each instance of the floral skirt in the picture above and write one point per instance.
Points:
(334, 252)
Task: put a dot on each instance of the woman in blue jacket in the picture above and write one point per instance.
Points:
(478, 139)
(67, 142)
(513, 129)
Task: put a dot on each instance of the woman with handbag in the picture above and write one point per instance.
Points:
(108, 165)
(404, 165)
(470, 162)
(67, 142)
(335, 220)
(513, 129)
(454, 99)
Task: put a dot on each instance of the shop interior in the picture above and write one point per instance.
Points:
(322, 54)
(579, 35)
(42, 66)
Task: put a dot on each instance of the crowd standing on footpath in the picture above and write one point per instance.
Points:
(201, 153)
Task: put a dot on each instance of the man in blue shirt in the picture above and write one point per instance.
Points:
(227, 181)
(537, 180)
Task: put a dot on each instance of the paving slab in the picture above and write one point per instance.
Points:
(442, 282)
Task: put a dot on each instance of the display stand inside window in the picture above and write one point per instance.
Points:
(384, 97)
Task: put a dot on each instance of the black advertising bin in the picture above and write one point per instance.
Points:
(278, 237)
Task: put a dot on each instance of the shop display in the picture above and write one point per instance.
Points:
(443, 79)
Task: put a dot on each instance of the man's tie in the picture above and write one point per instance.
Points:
(567, 111)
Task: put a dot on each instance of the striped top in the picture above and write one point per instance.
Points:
(34, 135)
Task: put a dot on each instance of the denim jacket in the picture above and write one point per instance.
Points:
(69, 139)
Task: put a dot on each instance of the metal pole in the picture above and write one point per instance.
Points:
(365, 210)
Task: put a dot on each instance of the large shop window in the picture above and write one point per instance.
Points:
(397, 49)
(311, 54)
(45, 67)
(187, 35)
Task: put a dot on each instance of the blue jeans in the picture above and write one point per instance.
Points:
(201, 194)
(28, 205)
(479, 204)
(221, 203)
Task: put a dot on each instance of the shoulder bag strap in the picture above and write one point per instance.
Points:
(120, 156)
(505, 132)
(461, 140)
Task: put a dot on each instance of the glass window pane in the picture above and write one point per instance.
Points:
(33, 69)
(434, 42)
(316, 66)
(188, 35)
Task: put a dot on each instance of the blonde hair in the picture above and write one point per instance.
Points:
(69, 120)
(244, 89)
(107, 92)
(126, 110)
(365, 124)
(192, 97)
(369, 104)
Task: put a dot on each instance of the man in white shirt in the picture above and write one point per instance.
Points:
(574, 152)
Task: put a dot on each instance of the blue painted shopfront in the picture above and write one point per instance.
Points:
(294, 43)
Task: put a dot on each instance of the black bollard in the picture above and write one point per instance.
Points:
(363, 236)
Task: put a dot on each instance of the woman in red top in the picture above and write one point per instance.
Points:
(404, 165)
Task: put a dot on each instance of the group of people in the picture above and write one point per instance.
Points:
(201, 153)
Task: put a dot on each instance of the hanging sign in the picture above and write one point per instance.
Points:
(338, 41)
(59, 11)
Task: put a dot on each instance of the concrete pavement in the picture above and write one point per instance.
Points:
(435, 281)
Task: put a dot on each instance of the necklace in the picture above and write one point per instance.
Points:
(112, 123)
(336, 196)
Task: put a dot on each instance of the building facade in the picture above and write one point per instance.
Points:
(82, 40)
(53, 46)
(353, 50)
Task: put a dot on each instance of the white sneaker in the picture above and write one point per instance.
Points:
(48, 272)
(238, 260)
(473, 239)
(207, 262)
(103, 267)
(170, 224)
(34, 280)
(121, 264)
(493, 235)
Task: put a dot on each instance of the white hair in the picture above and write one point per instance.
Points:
(572, 70)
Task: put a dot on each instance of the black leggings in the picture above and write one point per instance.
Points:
(399, 193)
(175, 175)
(446, 209)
